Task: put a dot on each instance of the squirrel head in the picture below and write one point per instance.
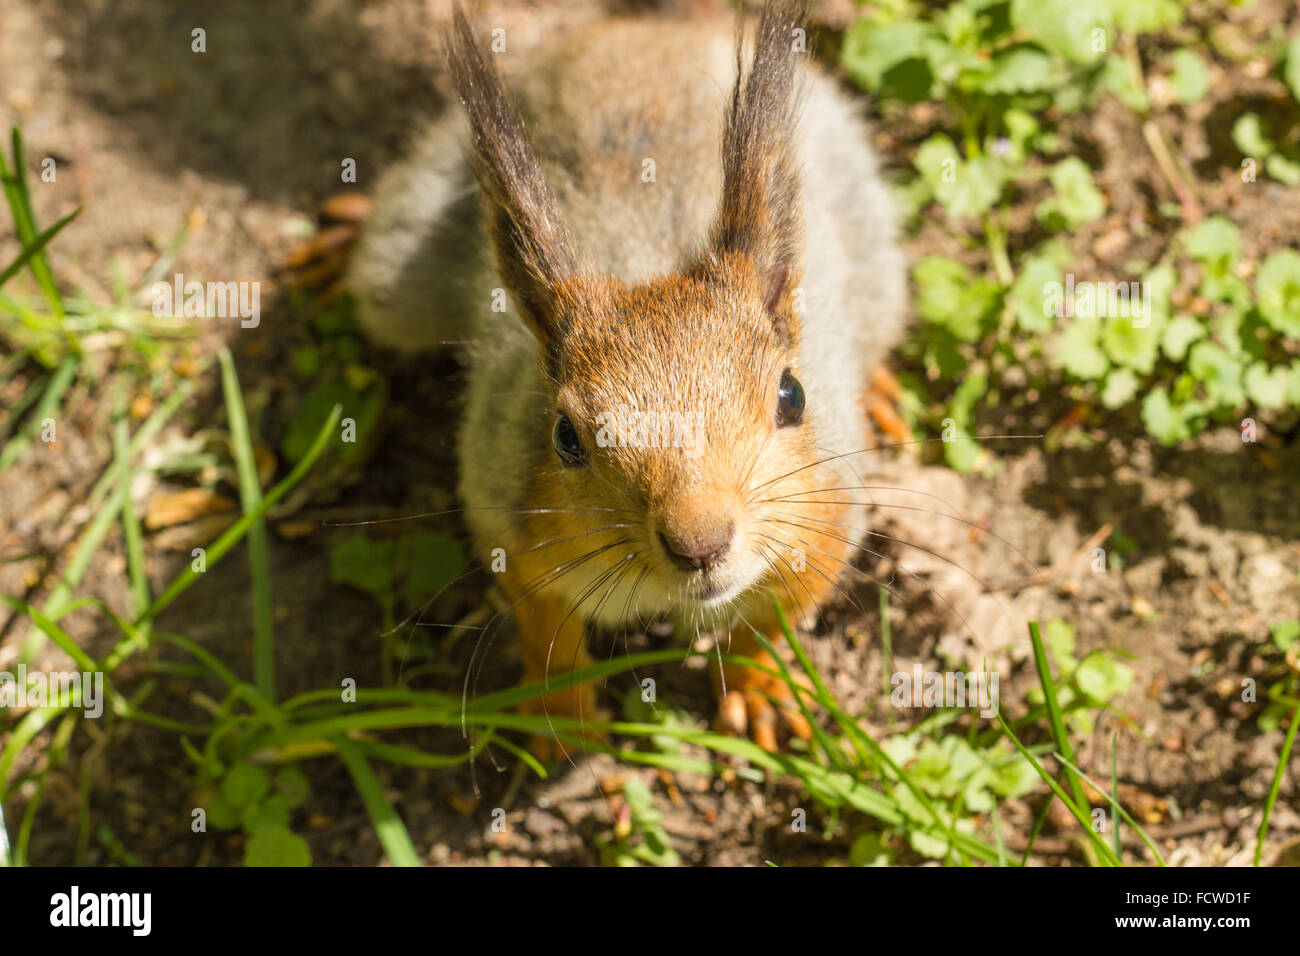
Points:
(677, 403)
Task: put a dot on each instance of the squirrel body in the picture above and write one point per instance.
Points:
(660, 229)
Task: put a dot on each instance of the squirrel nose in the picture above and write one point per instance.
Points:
(700, 550)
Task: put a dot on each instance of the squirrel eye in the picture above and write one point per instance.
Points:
(567, 443)
(790, 401)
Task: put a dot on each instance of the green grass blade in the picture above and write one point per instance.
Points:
(512, 696)
(1102, 846)
(29, 820)
(1118, 808)
(33, 723)
(1114, 793)
(55, 755)
(847, 723)
(1054, 717)
(143, 435)
(412, 757)
(37, 245)
(533, 763)
(259, 561)
(54, 632)
(997, 836)
(60, 597)
(833, 752)
(388, 825)
(235, 532)
(131, 533)
(134, 539)
(1283, 759)
(35, 388)
(20, 205)
(4, 840)
(50, 398)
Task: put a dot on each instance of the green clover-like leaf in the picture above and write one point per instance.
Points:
(1121, 386)
(949, 297)
(1219, 372)
(1129, 344)
(1022, 70)
(1284, 170)
(1292, 69)
(1267, 387)
(1077, 201)
(1248, 136)
(1179, 334)
(1079, 352)
(1146, 16)
(365, 564)
(1078, 30)
(1190, 79)
(1277, 287)
(1169, 422)
(276, 846)
(1215, 243)
(1029, 294)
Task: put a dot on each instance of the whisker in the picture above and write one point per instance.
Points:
(474, 668)
(938, 514)
(853, 601)
(569, 612)
(780, 575)
(879, 534)
(628, 606)
(925, 585)
(454, 511)
(899, 444)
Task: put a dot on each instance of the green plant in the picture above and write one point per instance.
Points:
(247, 797)
(404, 571)
(926, 787)
(1186, 357)
(1284, 693)
(1085, 685)
(639, 836)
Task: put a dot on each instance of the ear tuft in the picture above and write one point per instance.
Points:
(761, 216)
(533, 248)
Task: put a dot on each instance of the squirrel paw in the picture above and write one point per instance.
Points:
(755, 703)
(882, 405)
(320, 261)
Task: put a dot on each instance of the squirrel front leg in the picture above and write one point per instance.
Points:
(551, 636)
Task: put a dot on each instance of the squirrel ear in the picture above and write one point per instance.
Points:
(761, 216)
(533, 249)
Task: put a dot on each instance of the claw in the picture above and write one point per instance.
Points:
(882, 405)
(321, 260)
(755, 701)
(762, 721)
(732, 712)
(348, 207)
(796, 723)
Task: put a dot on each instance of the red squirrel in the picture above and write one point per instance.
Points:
(671, 264)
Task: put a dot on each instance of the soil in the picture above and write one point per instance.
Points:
(240, 146)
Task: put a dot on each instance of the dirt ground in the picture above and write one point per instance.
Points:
(242, 144)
